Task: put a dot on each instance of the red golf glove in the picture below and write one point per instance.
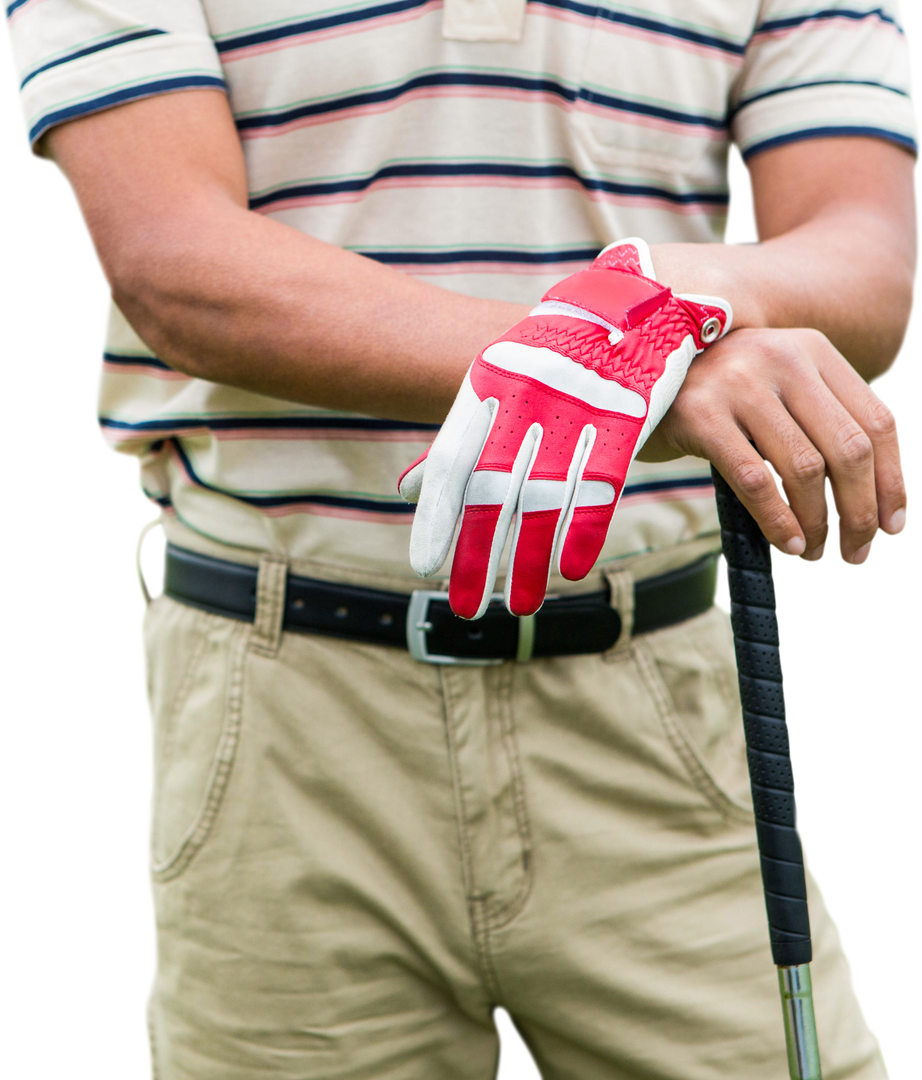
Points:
(546, 424)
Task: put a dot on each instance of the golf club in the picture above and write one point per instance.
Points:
(755, 636)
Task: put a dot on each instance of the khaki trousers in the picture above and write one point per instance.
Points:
(357, 856)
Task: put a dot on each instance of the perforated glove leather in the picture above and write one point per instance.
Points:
(546, 424)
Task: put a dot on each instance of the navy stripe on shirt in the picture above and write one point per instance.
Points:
(100, 46)
(791, 21)
(399, 507)
(15, 4)
(817, 82)
(392, 93)
(686, 483)
(504, 256)
(304, 27)
(125, 360)
(683, 483)
(641, 108)
(289, 115)
(654, 26)
(394, 505)
(704, 484)
(312, 26)
(170, 425)
(833, 131)
(118, 97)
(318, 188)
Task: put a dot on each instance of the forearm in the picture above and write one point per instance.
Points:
(228, 295)
(222, 293)
(233, 297)
(836, 274)
(225, 294)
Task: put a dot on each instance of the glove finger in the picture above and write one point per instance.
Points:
(490, 504)
(586, 536)
(542, 511)
(448, 468)
(588, 516)
(411, 481)
(533, 547)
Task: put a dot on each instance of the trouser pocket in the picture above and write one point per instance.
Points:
(690, 672)
(195, 686)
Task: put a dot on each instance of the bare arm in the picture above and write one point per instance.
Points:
(836, 223)
(222, 293)
(836, 219)
(225, 294)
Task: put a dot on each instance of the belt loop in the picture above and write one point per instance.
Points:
(149, 526)
(270, 605)
(621, 584)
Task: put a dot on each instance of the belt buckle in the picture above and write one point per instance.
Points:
(418, 626)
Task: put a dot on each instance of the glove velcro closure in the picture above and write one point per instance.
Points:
(621, 298)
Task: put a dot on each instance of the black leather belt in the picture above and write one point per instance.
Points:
(424, 623)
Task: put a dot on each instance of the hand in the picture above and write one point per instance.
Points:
(809, 413)
(545, 425)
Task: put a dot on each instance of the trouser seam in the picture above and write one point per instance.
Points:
(474, 903)
(504, 915)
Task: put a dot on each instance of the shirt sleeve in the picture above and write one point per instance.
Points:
(80, 56)
(812, 70)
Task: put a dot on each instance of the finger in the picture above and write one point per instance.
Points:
(802, 468)
(544, 506)
(878, 423)
(411, 481)
(593, 509)
(742, 467)
(849, 457)
(449, 464)
(489, 506)
(533, 547)
(541, 506)
(588, 516)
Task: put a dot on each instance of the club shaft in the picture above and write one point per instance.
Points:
(755, 635)
(799, 1022)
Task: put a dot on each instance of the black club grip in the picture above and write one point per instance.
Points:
(755, 635)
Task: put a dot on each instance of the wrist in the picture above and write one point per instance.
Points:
(717, 270)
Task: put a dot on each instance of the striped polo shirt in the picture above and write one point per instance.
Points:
(488, 146)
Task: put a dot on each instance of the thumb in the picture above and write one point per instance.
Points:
(411, 481)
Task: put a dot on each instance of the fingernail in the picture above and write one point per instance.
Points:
(861, 554)
(815, 554)
(795, 546)
(898, 521)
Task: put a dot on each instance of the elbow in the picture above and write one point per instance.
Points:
(153, 294)
(893, 331)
